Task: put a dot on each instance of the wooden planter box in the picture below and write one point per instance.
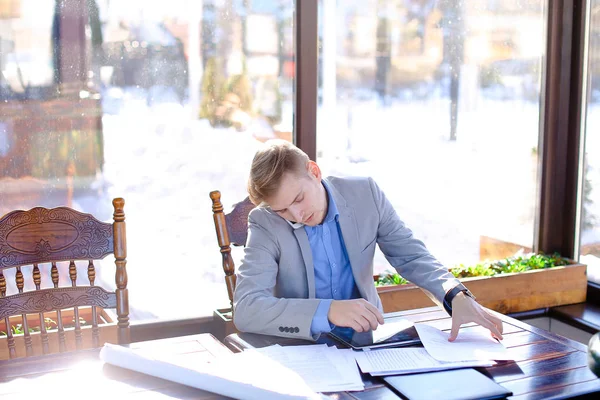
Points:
(108, 331)
(506, 293)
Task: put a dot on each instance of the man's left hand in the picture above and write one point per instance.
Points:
(465, 310)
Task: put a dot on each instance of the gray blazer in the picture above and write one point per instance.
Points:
(275, 290)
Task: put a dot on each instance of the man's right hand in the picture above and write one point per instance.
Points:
(357, 314)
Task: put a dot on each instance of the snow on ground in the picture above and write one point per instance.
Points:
(165, 163)
(449, 192)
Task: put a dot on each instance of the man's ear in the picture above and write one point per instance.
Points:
(314, 170)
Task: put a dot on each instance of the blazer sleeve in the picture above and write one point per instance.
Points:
(408, 255)
(256, 307)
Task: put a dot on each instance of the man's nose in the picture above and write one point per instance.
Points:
(297, 213)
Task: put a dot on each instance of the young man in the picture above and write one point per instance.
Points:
(308, 262)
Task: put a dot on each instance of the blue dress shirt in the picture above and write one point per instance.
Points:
(333, 275)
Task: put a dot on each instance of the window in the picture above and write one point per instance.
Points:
(590, 208)
(155, 102)
(439, 102)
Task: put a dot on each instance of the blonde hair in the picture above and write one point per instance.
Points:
(269, 165)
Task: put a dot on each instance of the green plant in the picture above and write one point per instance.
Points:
(482, 269)
(18, 329)
(212, 86)
(390, 278)
(489, 268)
(48, 322)
(240, 86)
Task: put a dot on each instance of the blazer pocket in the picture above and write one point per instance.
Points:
(367, 247)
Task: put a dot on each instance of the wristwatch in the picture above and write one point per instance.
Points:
(447, 303)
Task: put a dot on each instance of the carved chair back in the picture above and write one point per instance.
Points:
(232, 229)
(54, 238)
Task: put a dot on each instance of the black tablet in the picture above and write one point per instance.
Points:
(391, 334)
(456, 384)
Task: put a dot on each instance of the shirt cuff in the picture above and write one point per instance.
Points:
(320, 322)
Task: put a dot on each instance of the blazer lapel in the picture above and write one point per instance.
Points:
(302, 238)
(349, 234)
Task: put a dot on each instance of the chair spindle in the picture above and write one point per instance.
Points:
(62, 343)
(25, 326)
(12, 350)
(37, 280)
(120, 252)
(73, 276)
(95, 331)
(224, 243)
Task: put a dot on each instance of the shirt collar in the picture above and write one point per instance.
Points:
(332, 210)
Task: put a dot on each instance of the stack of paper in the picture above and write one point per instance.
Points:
(298, 372)
(247, 375)
(323, 368)
(473, 348)
(408, 360)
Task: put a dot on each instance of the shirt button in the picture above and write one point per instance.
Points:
(335, 291)
(333, 265)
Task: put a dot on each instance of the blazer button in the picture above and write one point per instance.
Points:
(281, 329)
(286, 329)
(296, 330)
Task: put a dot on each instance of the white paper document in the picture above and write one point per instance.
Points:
(323, 368)
(407, 361)
(473, 344)
(242, 376)
(389, 329)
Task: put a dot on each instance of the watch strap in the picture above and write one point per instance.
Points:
(447, 303)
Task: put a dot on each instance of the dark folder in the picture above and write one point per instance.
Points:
(457, 384)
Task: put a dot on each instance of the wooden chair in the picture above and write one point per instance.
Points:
(39, 236)
(232, 229)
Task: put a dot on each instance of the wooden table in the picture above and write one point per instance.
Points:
(83, 375)
(546, 365)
